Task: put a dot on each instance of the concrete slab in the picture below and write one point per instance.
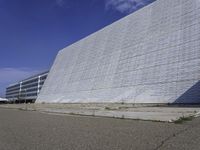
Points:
(122, 111)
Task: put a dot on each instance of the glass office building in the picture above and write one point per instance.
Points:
(26, 90)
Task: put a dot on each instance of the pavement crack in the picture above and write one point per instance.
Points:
(172, 136)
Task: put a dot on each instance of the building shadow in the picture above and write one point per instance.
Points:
(191, 96)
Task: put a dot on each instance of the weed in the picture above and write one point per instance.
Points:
(183, 119)
(107, 108)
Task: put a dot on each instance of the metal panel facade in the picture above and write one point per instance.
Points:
(150, 56)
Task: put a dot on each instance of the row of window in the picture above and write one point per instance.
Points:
(28, 95)
(30, 81)
(21, 95)
(43, 77)
(12, 93)
(13, 87)
(24, 85)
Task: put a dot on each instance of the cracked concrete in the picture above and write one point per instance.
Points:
(186, 139)
(116, 110)
(32, 130)
(174, 135)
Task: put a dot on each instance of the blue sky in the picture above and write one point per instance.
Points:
(33, 31)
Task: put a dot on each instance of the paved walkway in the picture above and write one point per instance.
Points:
(129, 111)
(33, 130)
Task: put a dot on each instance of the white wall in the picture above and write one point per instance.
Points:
(150, 56)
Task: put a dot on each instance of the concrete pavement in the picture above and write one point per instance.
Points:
(32, 130)
(128, 111)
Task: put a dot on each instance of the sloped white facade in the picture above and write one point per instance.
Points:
(150, 56)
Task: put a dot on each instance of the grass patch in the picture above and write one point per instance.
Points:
(183, 119)
(109, 108)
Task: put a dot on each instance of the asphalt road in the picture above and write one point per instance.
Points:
(26, 130)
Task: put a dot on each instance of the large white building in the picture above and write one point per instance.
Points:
(150, 56)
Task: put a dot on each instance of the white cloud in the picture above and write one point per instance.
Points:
(125, 6)
(12, 75)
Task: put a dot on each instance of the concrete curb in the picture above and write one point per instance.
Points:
(161, 114)
(147, 116)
